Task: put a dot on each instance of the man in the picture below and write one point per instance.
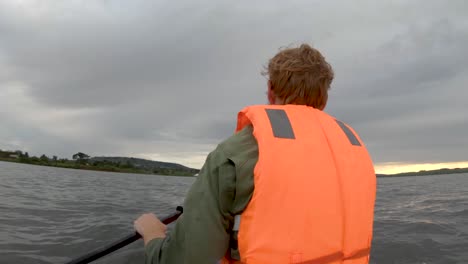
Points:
(292, 185)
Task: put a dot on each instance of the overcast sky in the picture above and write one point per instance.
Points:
(164, 80)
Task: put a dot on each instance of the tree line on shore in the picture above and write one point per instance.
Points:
(83, 161)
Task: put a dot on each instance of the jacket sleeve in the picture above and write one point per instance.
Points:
(202, 232)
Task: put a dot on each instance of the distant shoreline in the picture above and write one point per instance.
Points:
(425, 173)
(89, 168)
(82, 161)
(100, 170)
(150, 167)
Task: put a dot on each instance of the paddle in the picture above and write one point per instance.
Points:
(95, 254)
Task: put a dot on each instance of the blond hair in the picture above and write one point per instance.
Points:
(300, 76)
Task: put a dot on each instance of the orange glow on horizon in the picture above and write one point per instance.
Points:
(395, 167)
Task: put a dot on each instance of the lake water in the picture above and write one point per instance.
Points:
(52, 215)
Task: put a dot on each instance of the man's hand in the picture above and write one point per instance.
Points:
(150, 227)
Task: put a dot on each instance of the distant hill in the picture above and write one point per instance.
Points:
(146, 165)
(426, 172)
(142, 163)
(137, 165)
(114, 164)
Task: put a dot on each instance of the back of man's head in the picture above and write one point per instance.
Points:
(300, 76)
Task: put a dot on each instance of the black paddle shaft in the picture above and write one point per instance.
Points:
(98, 253)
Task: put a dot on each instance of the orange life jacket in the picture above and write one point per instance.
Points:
(314, 194)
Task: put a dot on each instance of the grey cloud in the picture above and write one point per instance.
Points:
(433, 53)
(166, 78)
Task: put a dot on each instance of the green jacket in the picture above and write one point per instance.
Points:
(222, 190)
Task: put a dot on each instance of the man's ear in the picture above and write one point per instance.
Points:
(271, 94)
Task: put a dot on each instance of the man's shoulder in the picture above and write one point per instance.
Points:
(240, 145)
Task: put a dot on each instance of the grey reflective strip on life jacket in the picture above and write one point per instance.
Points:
(280, 123)
(352, 138)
